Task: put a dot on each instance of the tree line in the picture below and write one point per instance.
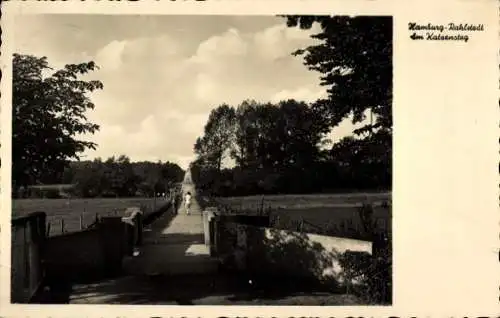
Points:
(110, 178)
(282, 147)
(118, 177)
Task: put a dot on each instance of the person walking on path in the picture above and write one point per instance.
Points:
(173, 195)
(187, 201)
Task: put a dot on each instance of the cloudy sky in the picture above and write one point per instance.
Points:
(163, 74)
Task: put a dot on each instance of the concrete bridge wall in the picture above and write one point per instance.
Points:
(88, 254)
(267, 251)
(96, 252)
(73, 255)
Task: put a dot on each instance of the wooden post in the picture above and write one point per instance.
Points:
(62, 226)
(48, 229)
(81, 222)
(112, 232)
(262, 206)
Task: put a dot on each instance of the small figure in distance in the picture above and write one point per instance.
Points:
(187, 201)
(174, 202)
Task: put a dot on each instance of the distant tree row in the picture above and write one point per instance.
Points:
(118, 177)
(114, 177)
(281, 148)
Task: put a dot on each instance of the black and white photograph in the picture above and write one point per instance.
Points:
(202, 160)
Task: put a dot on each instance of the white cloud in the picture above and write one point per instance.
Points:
(160, 88)
(110, 56)
(164, 136)
(158, 48)
(194, 124)
(227, 44)
(231, 67)
(169, 95)
(280, 41)
(205, 88)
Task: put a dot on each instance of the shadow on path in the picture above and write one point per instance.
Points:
(216, 289)
(167, 207)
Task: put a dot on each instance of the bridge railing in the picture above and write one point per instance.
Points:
(28, 240)
(38, 260)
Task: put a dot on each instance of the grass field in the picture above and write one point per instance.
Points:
(71, 210)
(316, 213)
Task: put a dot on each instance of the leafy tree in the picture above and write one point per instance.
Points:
(254, 139)
(364, 163)
(276, 136)
(49, 113)
(246, 134)
(218, 136)
(300, 134)
(354, 57)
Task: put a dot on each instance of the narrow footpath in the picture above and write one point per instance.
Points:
(174, 246)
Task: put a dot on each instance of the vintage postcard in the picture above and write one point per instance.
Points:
(250, 159)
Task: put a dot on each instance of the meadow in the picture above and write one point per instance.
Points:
(67, 213)
(316, 213)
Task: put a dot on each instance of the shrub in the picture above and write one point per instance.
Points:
(372, 273)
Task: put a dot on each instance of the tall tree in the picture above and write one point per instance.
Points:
(216, 142)
(276, 135)
(49, 113)
(301, 134)
(251, 127)
(354, 57)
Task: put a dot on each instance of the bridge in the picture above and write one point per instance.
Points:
(202, 258)
(172, 246)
